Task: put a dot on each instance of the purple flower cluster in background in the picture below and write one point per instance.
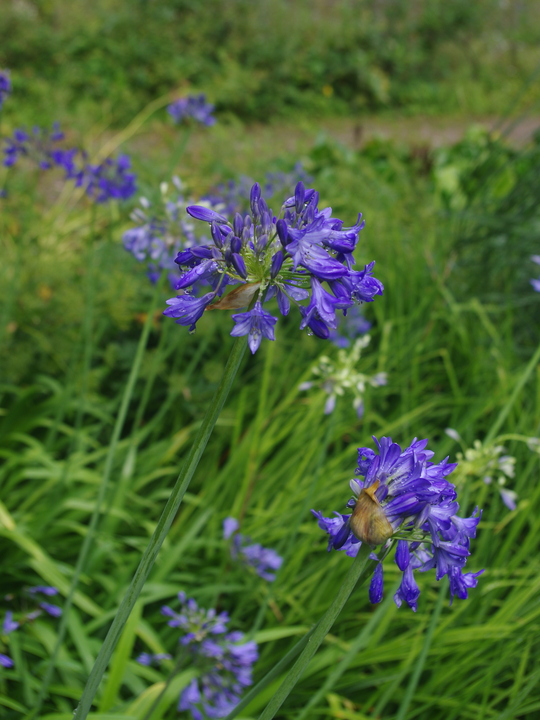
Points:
(264, 561)
(5, 86)
(109, 180)
(410, 494)
(192, 107)
(161, 231)
(9, 624)
(223, 659)
(265, 257)
(39, 145)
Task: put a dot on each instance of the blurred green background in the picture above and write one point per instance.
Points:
(420, 114)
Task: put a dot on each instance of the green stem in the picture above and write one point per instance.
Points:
(92, 527)
(361, 642)
(356, 573)
(162, 528)
(419, 665)
(274, 672)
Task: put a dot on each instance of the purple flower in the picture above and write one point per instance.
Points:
(152, 659)
(255, 323)
(110, 180)
(39, 146)
(230, 526)
(5, 86)
(287, 258)
(192, 107)
(223, 660)
(43, 590)
(188, 309)
(6, 661)
(264, 561)
(402, 493)
(52, 610)
(9, 624)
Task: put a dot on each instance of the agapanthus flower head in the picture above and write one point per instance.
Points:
(192, 107)
(401, 494)
(197, 622)
(264, 561)
(40, 145)
(223, 659)
(489, 462)
(162, 229)
(5, 86)
(305, 255)
(111, 179)
(341, 377)
(351, 327)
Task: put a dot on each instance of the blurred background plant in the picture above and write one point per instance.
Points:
(452, 229)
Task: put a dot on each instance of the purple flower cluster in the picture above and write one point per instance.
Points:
(223, 659)
(40, 146)
(192, 107)
(9, 625)
(265, 257)
(110, 180)
(404, 494)
(161, 231)
(5, 86)
(264, 561)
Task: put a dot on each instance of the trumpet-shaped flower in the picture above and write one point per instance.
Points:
(287, 258)
(402, 493)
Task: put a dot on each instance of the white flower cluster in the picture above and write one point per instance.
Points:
(340, 377)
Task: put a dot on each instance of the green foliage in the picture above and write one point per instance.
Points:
(258, 60)
(73, 303)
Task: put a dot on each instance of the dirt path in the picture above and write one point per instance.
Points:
(245, 147)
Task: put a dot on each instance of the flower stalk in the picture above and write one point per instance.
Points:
(160, 533)
(357, 572)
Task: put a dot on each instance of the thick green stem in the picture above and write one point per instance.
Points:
(92, 527)
(356, 572)
(162, 528)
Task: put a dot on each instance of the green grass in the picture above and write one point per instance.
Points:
(71, 320)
